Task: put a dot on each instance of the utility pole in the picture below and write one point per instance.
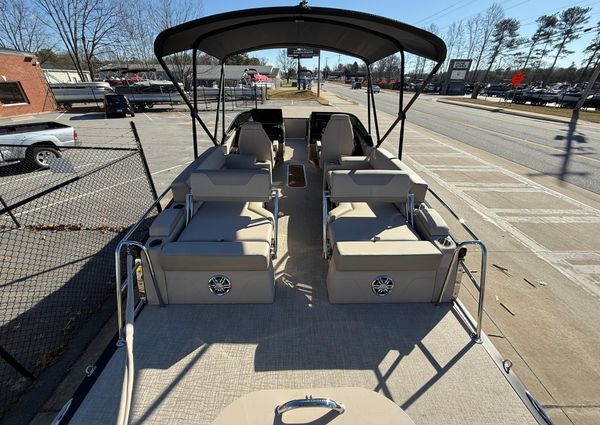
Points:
(588, 88)
(319, 75)
(298, 74)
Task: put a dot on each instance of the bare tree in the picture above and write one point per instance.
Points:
(136, 37)
(168, 13)
(84, 26)
(504, 39)
(492, 16)
(285, 63)
(454, 41)
(21, 28)
(568, 29)
(473, 27)
(387, 68)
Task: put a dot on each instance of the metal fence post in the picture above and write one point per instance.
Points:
(136, 136)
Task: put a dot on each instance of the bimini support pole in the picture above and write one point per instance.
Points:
(223, 101)
(370, 91)
(221, 93)
(185, 98)
(402, 115)
(195, 108)
(400, 108)
(368, 109)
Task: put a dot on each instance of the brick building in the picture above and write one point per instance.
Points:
(23, 88)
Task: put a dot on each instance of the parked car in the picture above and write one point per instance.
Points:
(36, 143)
(356, 85)
(117, 105)
(376, 88)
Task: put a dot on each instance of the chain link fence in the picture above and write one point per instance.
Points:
(59, 227)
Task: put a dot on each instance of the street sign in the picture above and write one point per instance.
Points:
(302, 52)
(517, 79)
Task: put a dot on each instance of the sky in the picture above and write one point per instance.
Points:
(425, 12)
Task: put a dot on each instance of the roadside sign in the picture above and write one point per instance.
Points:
(517, 79)
(457, 75)
(302, 52)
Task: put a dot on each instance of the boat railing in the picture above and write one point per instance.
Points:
(128, 244)
(459, 258)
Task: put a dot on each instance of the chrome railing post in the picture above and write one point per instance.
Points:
(118, 281)
(480, 286)
(275, 195)
(325, 196)
(481, 290)
(118, 289)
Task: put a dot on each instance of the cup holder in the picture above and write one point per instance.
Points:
(154, 242)
(178, 206)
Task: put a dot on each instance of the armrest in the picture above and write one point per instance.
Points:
(354, 163)
(430, 224)
(167, 222)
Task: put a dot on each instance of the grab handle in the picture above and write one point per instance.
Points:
(310, 402)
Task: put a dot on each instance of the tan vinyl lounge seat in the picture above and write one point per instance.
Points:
(217, 249)
(230, 222)
(377, 256)
(337, 140)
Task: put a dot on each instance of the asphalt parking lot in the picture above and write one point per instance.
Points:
(165, 134)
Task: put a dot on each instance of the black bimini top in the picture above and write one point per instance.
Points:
(357, 34)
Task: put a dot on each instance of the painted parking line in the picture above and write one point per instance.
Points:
(146, 115)
(571, 264)
(164, 170)
(56, 119)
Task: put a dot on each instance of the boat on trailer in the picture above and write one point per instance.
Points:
(296, 271)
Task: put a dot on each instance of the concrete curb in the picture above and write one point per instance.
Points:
(507, 111)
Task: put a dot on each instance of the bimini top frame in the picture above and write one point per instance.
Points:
(362, 35)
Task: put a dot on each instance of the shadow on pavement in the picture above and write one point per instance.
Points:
(572, 138)
(88, 116)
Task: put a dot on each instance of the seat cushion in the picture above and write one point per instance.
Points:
(359, 221)
(229, 222)
(190, 256)
(386, 255)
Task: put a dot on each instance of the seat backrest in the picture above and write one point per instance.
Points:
(212, 158)
(253, 140)
(337, 139)
(369, 186)
(248, 185)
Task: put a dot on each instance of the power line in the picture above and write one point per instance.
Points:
(439, 12)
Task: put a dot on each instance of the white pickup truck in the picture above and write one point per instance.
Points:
(36, 143)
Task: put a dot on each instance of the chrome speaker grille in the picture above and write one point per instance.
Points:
(382, 285)
(219, 285)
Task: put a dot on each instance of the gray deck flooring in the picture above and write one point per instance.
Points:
(192, 361)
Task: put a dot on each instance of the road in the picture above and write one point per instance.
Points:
(549, 148)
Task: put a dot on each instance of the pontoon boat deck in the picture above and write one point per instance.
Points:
(299, 264)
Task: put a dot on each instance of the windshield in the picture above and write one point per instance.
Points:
(116, 100)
